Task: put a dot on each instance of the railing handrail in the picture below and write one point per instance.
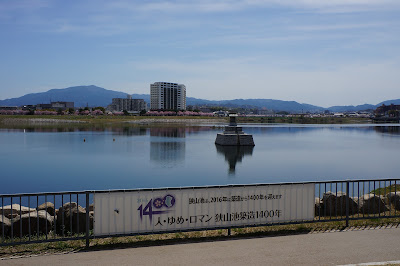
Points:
(345, 213)
(194, 187)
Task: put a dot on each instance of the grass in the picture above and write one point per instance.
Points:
(186, 237)
(386, 190)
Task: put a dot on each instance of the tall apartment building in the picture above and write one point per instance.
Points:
(167, 96)
(128, 104)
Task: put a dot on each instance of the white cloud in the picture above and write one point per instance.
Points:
(232, 5)
(122, 16)
(243, 78)
(11, 5)
(343, 5)
(248, 77)
(285, 54)
(337, 26)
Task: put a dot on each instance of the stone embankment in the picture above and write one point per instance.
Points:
(45, 219)
(334, 204)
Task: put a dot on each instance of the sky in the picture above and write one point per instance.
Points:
(321, 52)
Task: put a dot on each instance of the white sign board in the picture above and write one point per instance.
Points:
(146, 211)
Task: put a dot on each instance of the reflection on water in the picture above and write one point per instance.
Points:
(167, 154)
(392, 130)
(126, 131)
(296, 129)
(132, 130)
(234, 154)
(165, 149)
(168, 132)
(140, 156)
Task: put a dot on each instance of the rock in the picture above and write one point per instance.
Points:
(318, 207)
(70, 214)
(336, 205)
(47, 206)
(16, 209)
(32, 219)
(6, 223)
(394, 199)
(91, 219)
(371, 204)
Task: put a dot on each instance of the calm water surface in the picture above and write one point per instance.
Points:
(38, 160)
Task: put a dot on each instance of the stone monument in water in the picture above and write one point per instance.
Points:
(234, 135)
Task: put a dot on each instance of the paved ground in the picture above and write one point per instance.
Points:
(351, 247)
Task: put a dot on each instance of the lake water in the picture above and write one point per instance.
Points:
(49, 160)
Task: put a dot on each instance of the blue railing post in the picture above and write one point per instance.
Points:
(347, 202)
(87, 219)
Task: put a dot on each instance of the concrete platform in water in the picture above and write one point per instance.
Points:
(234, 135)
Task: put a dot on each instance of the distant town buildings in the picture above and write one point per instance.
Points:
(221, 113)
(55, 106)
(127, 104)
(9, 108)
(388, 110)
(167, 96)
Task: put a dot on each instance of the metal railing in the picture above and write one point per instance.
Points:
(49, 217)
(35, 218)
(357, 199)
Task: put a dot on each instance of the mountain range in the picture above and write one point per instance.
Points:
(95, 96)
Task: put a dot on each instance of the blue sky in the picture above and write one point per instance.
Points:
(332, 52)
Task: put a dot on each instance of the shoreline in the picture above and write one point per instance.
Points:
(7, 121)
(176, 121)
(99, 120)
(39, 121)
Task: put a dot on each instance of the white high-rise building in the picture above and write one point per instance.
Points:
(167, 96)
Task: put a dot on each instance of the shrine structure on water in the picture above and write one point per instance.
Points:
(234, 135)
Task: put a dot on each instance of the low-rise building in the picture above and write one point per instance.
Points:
(127, 104)
(8, 108)
(55, 105)
(221, 113)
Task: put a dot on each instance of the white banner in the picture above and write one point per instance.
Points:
(185, 209)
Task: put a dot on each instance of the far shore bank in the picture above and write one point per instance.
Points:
(10, 121)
